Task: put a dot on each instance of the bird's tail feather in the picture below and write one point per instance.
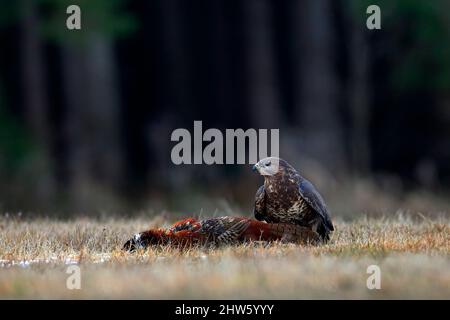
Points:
(324, 231)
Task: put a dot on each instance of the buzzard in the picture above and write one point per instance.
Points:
(221, 231)
(287, 197)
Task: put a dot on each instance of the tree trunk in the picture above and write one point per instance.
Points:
(177, 58)
(359, 99)
(36, 100)
(263, 94)
(76, 135)
(104, 111)
(321, 135)
(92, 121)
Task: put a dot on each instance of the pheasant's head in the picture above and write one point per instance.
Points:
(143, 239)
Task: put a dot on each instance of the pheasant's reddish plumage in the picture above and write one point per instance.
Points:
(220, 231)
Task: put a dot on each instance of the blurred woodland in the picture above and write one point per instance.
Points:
(86, 116)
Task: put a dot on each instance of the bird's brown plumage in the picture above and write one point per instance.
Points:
(287, 197)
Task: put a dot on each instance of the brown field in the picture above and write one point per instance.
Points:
(412, 252)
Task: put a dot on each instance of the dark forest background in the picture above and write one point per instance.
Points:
(86, 116)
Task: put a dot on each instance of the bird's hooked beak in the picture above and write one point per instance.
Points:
(255, 168)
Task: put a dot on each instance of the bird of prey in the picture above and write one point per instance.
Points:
(220, 231)
(287, 197)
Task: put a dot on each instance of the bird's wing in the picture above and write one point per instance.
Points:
(315, 200)
(260, 204)
(225, 229)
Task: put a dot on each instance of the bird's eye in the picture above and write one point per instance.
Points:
(268, 164)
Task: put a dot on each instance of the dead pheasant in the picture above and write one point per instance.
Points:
(221, 231)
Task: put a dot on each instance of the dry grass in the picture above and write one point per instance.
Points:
(413, 255)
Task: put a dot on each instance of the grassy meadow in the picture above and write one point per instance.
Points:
(412, 251)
